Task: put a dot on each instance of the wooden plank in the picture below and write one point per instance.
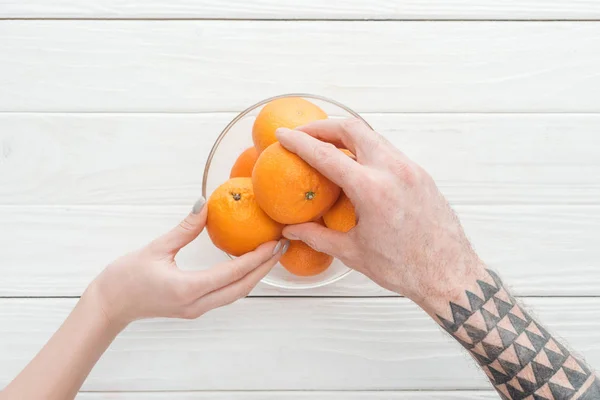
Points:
(56, 251)
(285, 344)
(311, 395)
(185, 66)
(158, 159)
(304, 9)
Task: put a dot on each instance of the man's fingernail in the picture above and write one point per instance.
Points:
(282, 131)
(290, 236)
(285, 248)
(277, 247)
(198, 205)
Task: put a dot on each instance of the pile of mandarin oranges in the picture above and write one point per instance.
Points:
(271, 187)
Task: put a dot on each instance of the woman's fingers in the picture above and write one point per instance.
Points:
(325, 157)
(186, 231)
(236, 290)
(226, 273)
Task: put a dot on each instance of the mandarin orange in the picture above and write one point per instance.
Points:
(302, 260)
(244, 164)
(341, 216)
(348, 153)
(288, 112)
(288, 189)
(235, 222)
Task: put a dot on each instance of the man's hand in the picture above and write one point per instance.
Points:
(407, 238)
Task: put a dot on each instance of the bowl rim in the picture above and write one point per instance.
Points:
(226, 130)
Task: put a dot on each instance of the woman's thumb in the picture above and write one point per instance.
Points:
(319, 238)
(186, 231)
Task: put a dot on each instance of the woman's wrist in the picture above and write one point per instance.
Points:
(97, 308)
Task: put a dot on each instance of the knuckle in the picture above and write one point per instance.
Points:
(186, 226)
(406, 172)
(183, 291)
(186, 314)
(229, 301)
(349, 177)
(202, 285)
(346, 178)
(323, 151)
(351, 125)
(153, 246)
(401, 168)
(422, 174)
(377, 186)
(236, 272)
(247, 289)
(355, 178)
(313, 242)
(374, 180)
(191, 313)
(156, 248)
(374, 144)
(318, 241)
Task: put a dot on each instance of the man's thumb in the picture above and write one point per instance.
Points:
(318, 237)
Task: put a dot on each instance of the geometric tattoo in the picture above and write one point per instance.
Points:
(521, 359)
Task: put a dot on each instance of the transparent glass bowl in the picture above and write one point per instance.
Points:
(235, 138)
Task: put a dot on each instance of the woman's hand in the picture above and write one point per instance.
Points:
(147, 283)
(407, 238)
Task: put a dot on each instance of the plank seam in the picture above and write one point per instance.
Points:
(236, 111)
(347, 297)
(475, 390)
(524, 20)
(233, 112)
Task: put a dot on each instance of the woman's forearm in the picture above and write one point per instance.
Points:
(142, 284)
(59, 369)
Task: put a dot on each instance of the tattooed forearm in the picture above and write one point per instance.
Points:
(520, 357)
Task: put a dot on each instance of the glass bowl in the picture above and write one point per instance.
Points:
(235, 138)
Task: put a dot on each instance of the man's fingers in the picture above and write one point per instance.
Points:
(324, 157)
(234, 291)
(186, 231)
(320, 238)
(228, 272)
(352, 134)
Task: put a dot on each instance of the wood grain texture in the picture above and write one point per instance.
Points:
(304, 9)
(158, 159)
(301, 395)
(79, 189)
(186, 66)
(57, 251)
(285, 344)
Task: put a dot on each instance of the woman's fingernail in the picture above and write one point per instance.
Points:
(198, 206)
(285, 248)
(277, 247)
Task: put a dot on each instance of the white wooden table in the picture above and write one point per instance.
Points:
(108, 109)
